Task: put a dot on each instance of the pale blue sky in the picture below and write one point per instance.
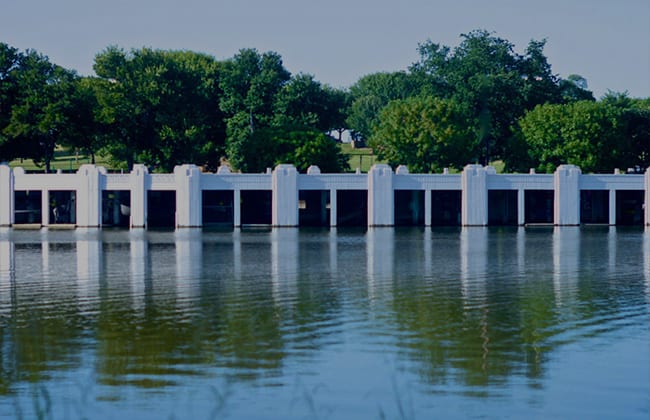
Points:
(338, 41)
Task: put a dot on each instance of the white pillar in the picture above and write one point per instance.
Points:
(566, 206)
(236, 207)
(89, 195)
(139, 181)
(521, 207)
(612, 207)
(427, 207)
(381, 197)
(189, 203)
(6, 195)
(333, 207)
(474, 202)
(646, 205)
(45, 207)
(285, 196)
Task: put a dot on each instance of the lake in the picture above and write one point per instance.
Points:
(535, 322)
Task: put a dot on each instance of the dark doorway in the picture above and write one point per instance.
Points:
(314, 208)
(446, 208)
(538, 206)
(116, 208)
(629, 207)
(27, 207)
(63, 207)
(502, 208)
(409, 208)
(256, 207)
(161, 209)
(594, 206)
(218, 209)
(352, 208)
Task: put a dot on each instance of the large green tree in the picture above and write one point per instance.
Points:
(497, 85)
(86, 132)
(250, 82)
(41, 99)
(370, 94)
(10, 61)
(425, 133)
(275, 118)
(304, 101)
(161, 106)
(587, 134)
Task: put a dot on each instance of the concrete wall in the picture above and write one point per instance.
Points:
(285, 183)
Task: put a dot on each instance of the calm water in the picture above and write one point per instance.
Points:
(385, 323)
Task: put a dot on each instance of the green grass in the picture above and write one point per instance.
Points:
(362, 158)
(66, 160)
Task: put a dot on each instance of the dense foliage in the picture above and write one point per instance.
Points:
(478, 102)
(597, 136)
(425, 133)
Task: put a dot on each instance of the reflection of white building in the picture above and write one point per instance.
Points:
(284, 262)
(380, 254)
(89, 263)
(7, 267)
(612, 250)
(566, 261)
(139, 268)
(473, 262)
(189, 263)
(646, 264)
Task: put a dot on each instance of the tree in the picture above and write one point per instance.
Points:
(574, 88)
(370, 94)
(250, 82)
(303, 101)
(634, 125)
(161, 106)
(39, 118)
(495, 84)
(10, 60)
(425, 133)
(587, 134)
(84, 130)
(269, 146)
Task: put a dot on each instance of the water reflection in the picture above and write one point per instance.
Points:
(566, 253)
(140, 270)
(7, 269)
(89, 263)
(380, 260)
(284, 263)
(473, 263)
(470, 311)
(646, 264)
(189, 265)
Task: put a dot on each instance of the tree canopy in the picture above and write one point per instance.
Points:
(162, 105)
(597, 136)
(38, 105)
(425, 133)
(480, 101)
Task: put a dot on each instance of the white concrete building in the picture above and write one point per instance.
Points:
(478, 196)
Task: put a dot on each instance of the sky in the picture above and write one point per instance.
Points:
(338, 41)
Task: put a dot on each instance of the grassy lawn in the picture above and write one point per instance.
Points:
(65, 160)
(362, 158)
